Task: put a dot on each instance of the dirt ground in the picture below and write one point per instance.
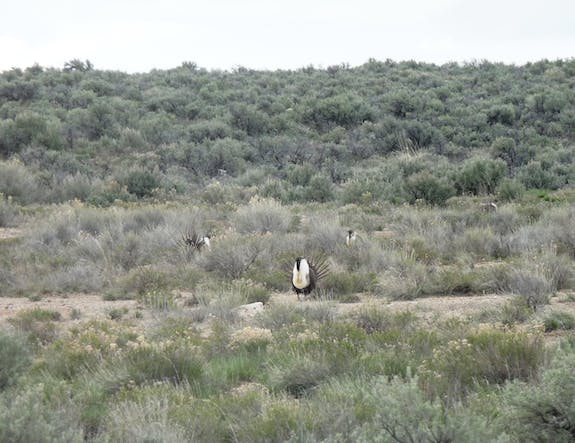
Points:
(9, 233)
(72, 308)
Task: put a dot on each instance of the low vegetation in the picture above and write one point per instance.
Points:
(203, 370)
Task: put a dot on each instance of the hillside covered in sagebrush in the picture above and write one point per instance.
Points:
(397, 132)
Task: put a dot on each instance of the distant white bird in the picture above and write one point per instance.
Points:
(306, 274)
(350, 238)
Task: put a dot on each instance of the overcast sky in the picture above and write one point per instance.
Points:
(141, 35)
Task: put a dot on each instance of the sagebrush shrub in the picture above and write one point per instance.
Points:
(36, 415)
(262, 216)
(145, 419)
(17, 182)
(324, 236)
(544, 411)
(231, 258)
(344, 283)
(37, 325)
(400, 411)
(15, 357)
(559, 321)
(171, 362)
(514, 311)
(298, 373)
(530, 284)
(483, 358)
(142, 280)
(10, 213)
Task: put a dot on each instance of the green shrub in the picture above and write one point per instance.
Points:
(481, 175)
(339, 110)
(17, 182)
(250, 291)
(544, 411)
(558, 270)
(10, 213)
(172, 362)
(451, 282)
(227, 371)
(510, 189)
(88, 346)
(320, 189)
(37, 324)
(142, 280)
(108, 192)
(151, 419)
(421, 249)
(280, 315)
(559, 321)
(535, 175)
(483, 358)
(373, 319)
(298, 374)
(505, 149)
(423, 186)
(481, 243)
(14, 359)
(534, 287)
(399, 411)
(345, 283)
(515, 310)
(141, 183)
(36, 415)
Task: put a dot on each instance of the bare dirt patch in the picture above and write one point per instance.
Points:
(426, 308)
(72, 308)
(10, 233)
(76, 308)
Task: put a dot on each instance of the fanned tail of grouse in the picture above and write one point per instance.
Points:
(319, 266)
(192, 239)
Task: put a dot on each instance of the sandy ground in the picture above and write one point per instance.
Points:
(9, 233)
(72, 307)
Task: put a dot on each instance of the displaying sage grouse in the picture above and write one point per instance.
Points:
(196, 241)
(306, 273)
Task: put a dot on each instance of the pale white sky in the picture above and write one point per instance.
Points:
(141, 35)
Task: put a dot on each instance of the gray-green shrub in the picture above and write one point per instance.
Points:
(14, 358)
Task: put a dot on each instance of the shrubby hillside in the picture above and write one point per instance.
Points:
(390, 131)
